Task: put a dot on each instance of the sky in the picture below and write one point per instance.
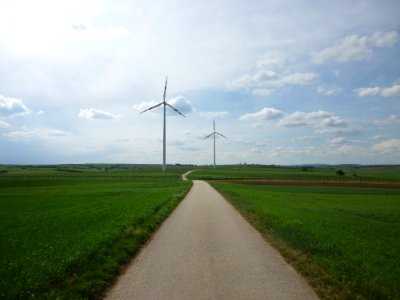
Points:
(287, 81)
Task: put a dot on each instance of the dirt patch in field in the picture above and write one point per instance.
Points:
(315, 183)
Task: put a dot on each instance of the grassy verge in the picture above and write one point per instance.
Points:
(345, 241)
(67, 237)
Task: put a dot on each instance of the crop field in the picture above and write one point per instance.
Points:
(389, 174)
(345, 241)
(65, 230)
(91, 170)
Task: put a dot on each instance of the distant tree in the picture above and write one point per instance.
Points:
(340, 172)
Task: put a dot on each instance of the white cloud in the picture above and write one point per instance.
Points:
(347, 130)
(388, 146)
(304, 138)
(182, 104)
(334, 121)
(373, 91)
(391, 120)
(350, 48)
(327, 91)
(295, 119)
(10, 107)
(214, 114)
(144, 105)
(94, 114)
(241, 82)
(387, 39)
(391, 91)
(325, 122)
(339, 140)
(255, 151)
(299, 118)
(345, 149)
(368, 91)
(298, 78)
(265, 78)
(42, 134)
(262, 92)
(271, 60)
(356, 48)
(282, 150)
(58, 133)
(21, 135)
(267, 113)
(4, 124)
(376, 137)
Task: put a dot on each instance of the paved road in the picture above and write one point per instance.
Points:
(184, 176)
(206, 250)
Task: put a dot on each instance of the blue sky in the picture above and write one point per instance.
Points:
(288, 82)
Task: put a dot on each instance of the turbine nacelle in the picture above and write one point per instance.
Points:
(164, 103)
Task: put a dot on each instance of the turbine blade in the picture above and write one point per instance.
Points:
(165, 88)
(221, 135)
(175, 109)
(152, 107)
(208, 136)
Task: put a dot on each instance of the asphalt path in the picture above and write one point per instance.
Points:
(184, 176)
(206, 250)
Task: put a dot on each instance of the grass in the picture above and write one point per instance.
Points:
(345, 241)
(90, 170)
(67, 236)
(384, 172)
(354, 174)
(65, 230)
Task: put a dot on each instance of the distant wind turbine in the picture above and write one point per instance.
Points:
(214, 133)
(164, 167)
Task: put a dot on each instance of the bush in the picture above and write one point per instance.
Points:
(340, 172)
(307, 169)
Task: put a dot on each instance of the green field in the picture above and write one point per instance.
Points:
(353, 174)
(345, 241)
(65, 230)
(91, 170)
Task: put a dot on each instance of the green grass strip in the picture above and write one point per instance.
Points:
(345, 241)
(67, 238)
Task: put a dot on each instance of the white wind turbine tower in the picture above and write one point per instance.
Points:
(165, 104)
(214, 133)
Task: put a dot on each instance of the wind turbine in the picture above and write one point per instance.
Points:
(165, 104)
(214, 133)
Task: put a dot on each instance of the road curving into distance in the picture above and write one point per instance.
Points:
(184, 176)
(206, 250)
